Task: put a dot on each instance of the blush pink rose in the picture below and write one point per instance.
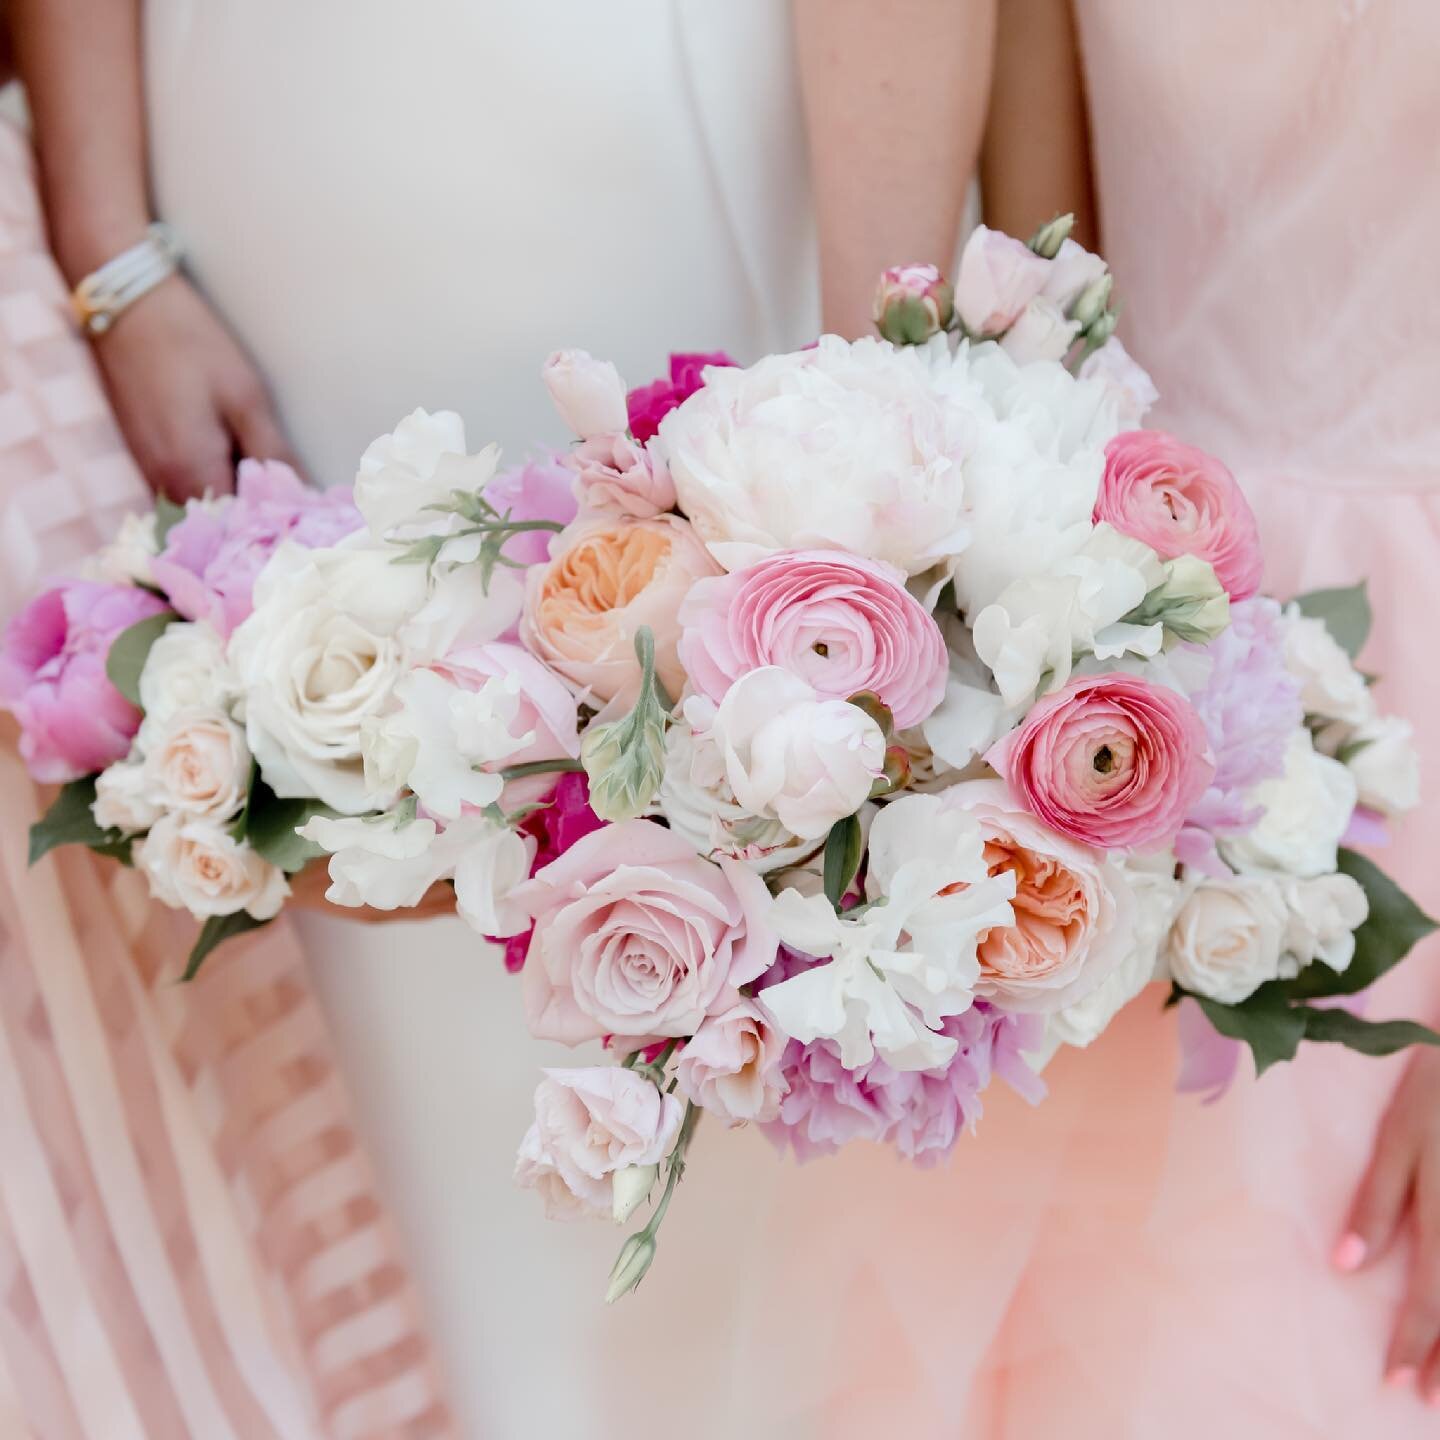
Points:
(841, 623)
(52, 677)
(606, 577)
(1181, 501)
(1110, 760)
(637, 936)
(732, 1066)
(999, 276)
(649, 404)
(616, 473)
(588, 1124)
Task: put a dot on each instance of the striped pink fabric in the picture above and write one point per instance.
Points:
(190, 1240)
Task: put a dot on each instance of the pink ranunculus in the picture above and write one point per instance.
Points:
(540, 489)
(999, 276)
(616, 473)
(588, 1124)
(213, 556)
(649, 404)
(732, 1065)
(1181, 501)
(637, 936)
(1110, 760)
(841, 623)
(912, 303)
(52, 677)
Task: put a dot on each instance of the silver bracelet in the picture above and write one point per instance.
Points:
(105, 293)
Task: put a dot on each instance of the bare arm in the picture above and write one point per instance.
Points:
(1036, 160)
(186, 397)
(895, 99)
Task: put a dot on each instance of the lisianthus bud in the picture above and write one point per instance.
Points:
(912, 303)
(625, 760)
(1048, 239)
(635, 1258)
(629, 1187)
(1190, 602)
(1100, 331)
(1092, 300)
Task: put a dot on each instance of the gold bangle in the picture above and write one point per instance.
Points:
(105, 293)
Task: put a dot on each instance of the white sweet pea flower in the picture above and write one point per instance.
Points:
(1332, 687)
(186, 669)
(899, 965)
(126, 559)
(1381, 756)
(972, 716)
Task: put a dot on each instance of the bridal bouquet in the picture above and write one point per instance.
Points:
(823, 737)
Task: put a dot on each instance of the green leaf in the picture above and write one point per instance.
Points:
(70, 821)
(1345, 611)
(215, 930)
(167, 516)
(270, 825)
(1391, 930)
(1266, 1022)
(844, 846)
(1369, 1037)
(129, 650)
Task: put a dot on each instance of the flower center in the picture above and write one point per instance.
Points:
(1104, 760)
(821, 649)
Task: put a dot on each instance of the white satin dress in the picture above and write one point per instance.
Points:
(412, 204)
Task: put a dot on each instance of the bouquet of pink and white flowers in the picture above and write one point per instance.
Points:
(844, 731)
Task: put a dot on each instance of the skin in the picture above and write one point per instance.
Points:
(1035, 163)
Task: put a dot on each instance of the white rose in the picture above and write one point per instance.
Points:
(1384, 762)
(196, 865)
(122, 799)
(1132, 387)
(1324, 914)
(186, 669)
(698, 803)
(1041, 333)
(197, 762)
(417, 465)
(588, 393)
(1306, 811)
(870, 449)
(1331, 686)
(126, 559)
(789, 755)
(1227, 937)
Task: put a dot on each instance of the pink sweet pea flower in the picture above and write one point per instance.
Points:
(52, 677)
(540, 489)
(649, 404)
(1110, 760)
(1181, 501)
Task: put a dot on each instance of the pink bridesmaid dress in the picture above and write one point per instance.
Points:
(1123, 1261)
(191, 1247)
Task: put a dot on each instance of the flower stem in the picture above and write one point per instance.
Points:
(542, 767)
(677, 1165)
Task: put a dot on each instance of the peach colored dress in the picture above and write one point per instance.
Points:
(190, 1241)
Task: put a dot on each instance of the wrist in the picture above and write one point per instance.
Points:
(83, 242)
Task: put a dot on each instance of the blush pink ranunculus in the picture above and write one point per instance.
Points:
(649, 404)
(212, 557)
(52, 677)
(1181, 501)
(638, 936)
(616, 473)
(841, 623)
(1110, 760)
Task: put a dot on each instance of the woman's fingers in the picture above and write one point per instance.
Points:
(252, 421)
(1380, 1201)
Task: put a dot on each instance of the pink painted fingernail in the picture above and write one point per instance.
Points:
(1433, 1399)
(1400, 1377)
(1349, 1254)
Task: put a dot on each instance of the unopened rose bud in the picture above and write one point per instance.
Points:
(1092, 300)
(635, 1258)
(876, 709)
(1048, 239)
(628, 1189)
(912, 303)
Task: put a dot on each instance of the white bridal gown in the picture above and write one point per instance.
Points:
(401, 204)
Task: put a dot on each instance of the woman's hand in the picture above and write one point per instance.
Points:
(1403, 1182)
(188, 400)
(308, 886)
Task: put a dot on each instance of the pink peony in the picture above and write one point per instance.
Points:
(52, 677)
(841, 623)
(637, 936)
(212, 557)
(650, 404)
(614, 472)
(1181, 501)
(1110, 760)
(541, 489)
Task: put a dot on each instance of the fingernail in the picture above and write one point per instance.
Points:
(1349, 1253)
(1433, 1399)
(1400, 1377)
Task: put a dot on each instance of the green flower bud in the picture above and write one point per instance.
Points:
(625, 760)
(635, 1258)
(913, 303)
(1048, 239)
(1090, 304)
(1190, 602)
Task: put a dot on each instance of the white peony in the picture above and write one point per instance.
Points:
(870, 452)
(1306, 811)
(196, 762)
(1324, 913)
(122, 799)
(186, 669)
(789, 755)
(1331, 686)
(1381, 756)
(1227, 937)
(195, 864)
